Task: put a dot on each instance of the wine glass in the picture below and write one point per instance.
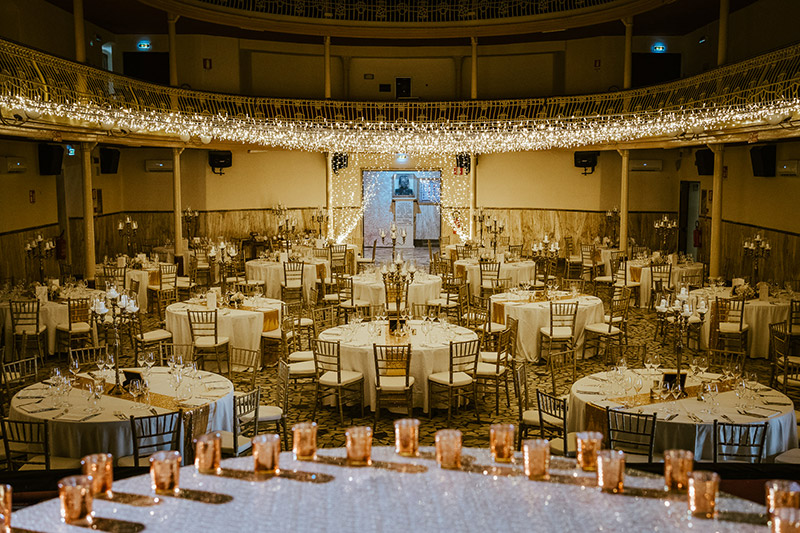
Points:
(74, 368)
(665, 393)
(702, 364)
(135, 389)
(100, 361)
(109, 363)
(150, 360)
(638, 384)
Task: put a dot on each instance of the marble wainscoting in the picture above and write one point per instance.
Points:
(782, 265)
(238, 223)
(14, 263)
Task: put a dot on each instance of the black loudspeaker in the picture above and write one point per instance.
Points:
(586, 160)
(50, 158)
(763, 159)
(339, 161)
(704, 161)
(219, 159)
(402, 87)
(109, 160)
(464, 161)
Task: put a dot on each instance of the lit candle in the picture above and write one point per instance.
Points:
(39, 237)
(119, 226)
(135, 225)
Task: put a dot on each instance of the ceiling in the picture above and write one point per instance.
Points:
(130, 17)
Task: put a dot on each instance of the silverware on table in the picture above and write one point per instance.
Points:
(87, 417)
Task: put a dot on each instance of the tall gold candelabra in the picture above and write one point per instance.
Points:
(38, 250)
(758, 249)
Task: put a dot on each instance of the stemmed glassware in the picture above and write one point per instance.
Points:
(135, 389)
(74, 369)
(702, 365)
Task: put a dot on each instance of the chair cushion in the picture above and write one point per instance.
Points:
(394, 383)
(255, 282)
(559, 332)
(732, 327)
(305, 355)
(603, 279)
(302, 368)
(274, 334)
(601, 328)
(30, 330)
(487, 369)
(789, 457)
(354, 304)
(628, 284)
(488, 357)
(155, 335)
(185, 283)
(293, 284)
(266, 413)
(77, 327)
(531, 417)
(243, 443)
(557, 444)
(305, 322)
(492, 327)
(345, 376)
(56, 463)
(442, 302)
(460, 379)
(208, 342)
(606, 318)
(144, 461)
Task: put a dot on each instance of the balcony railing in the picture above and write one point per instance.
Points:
(748, 91)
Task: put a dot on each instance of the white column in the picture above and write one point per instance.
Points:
(88, 214)
(473, 203)
(473, 92)
(173, 49)
(627, 71)
(716, 210)
(80, 33)
(623, 202)
(722, 40)
(328, 193)
(327, 66)
(176, 200)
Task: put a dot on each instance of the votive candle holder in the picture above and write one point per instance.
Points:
(304, 441)
(75, 493)
(611, 470)
(406, 437)
(266, 453)
(448, 448)
(678, 464)
(165, 468)
(703, 489)
(208, 453)
(501, 442)
(588, 444)
(358, 440)
(5, 507)
(100, 466)
(536, 459)
(781, 493)
(786, 520)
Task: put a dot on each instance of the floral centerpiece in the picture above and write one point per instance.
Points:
(745, 291)
(236, 299)
(53, 290)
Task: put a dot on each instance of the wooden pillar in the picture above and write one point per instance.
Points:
(716, 210)
(88, 214)
(623, 201)
(177, 209)
(627, 71)
(327, 66)
(473, 92)
(722, 39)
(173, 49)
(80, 32)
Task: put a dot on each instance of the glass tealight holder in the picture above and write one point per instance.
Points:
(5, 507)
(448, 448)
(406, 437)
(536, 459)
(358, 440)
(501, 442)
(702, 491)
(100, 466)
(165, 468)
(208, 453)
(678, 464)
(588, 444)
(266, 453)
(781, 493)
(75, 493)
(786, 520)
(304, 441)
(611, 470)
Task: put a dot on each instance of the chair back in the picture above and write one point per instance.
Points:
(694, 279)
(794, 317)
(116, 275)
(155, 432)
(244, 361)
(552, 417)
(203, 324)
(78, 310)
(87, 356)
(739, 442)
(289, 338)
(618, 309)
(24, 316)
(325, 318)
(392, 361)
(588, 256)
(731, 310)
(720, 359)
(338, 258)
(327, 358)
(26, 443)
(283, 387)
(20, 373)
(195, 423)
(463, 357)
(562, 315)
(632, 353)
(633, 433)
(344, 288)
(570, 283)
(65, 273)
(168, 273)
(521, 390)
(489, 271)
(169, 350)
(562, 365)
(293, 274)
(660, 275)
(245, 415)
(396, 292)
(320, 253)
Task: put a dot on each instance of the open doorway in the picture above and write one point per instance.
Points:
(411, 199)
(689, 217)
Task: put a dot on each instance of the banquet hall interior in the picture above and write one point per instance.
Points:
(543, 221)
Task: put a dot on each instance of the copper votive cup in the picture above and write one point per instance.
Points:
(781, 493)
(5, 507)
(536, 459)
(358, 440)
(100, 466)
(304, 441)
(165, 469)
(406, 437)
(448, 448)
(611, 470)
(208, 453)
(501, 442)
(786, 520)
(266, 453)
(75, 493)
(703, 490)
(588, 443)
(678, 464)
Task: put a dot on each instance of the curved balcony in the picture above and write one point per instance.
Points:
(59, 94)
(407, 19)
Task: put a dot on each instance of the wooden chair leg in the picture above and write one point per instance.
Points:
(316, 400)
(475, 399)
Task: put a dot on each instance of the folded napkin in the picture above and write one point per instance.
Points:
(590, 392)
(754, 415)
(224, 387)
(30, 397)
(34, 408)
(72, 416)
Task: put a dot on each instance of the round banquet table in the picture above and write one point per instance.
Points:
(758, 314)
(519, 272)
(242, 326)
(639, 270)
(433, 499)
(589, 396)
(271, 273)
(71, 436)
(535, 315)
(427, 355)
(370, 288)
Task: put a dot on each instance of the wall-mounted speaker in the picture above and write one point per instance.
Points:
(219, 159)
(339, 161)
(586, 160)
(704, 161)
(464, 161)
(763, 159)
(50, 158)
(109, 160)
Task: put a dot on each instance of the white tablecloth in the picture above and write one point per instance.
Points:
(242, 327)
(107, 433)
(535, 315)
(427, 355)
(758, 314)
(676, 277)
(425, 287)
(681, 432)
(271, 273)
(518, 272)
(377, 499)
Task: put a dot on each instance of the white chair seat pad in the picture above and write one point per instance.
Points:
(155, 335)
(345, 378)
(30, 330)
(243, 443)
(559, 332)
(557, 444)
(732, 327)
(460, 379)
(789, 457)
(602, 328)
(56, 463)
(77, 327)
(350, 304)
(302, 368)
(394, 383)
(266, 413)
(604, 279)
(208, 342)
(489, 369)
(492, 327)
(304, 355)
(607, 318)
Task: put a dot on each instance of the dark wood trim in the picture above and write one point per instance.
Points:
(792, 233)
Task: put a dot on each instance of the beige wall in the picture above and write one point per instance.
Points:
(16, 211)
